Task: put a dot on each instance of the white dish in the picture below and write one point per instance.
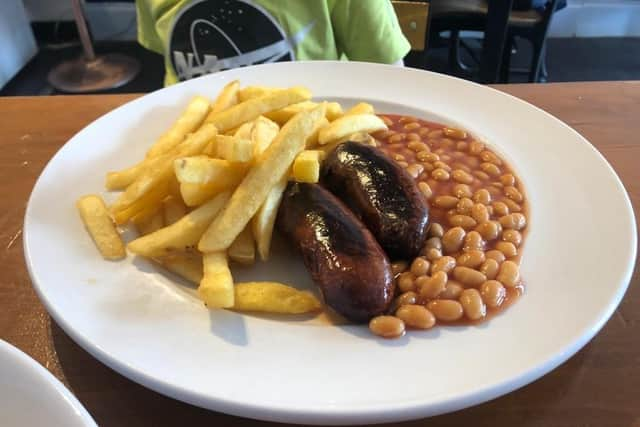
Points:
(577, 264)
(31, 396)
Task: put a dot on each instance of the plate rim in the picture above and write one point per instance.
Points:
(412, 409)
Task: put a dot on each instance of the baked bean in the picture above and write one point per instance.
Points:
(406, 298)
(387, 121)
(462, 177)
(435, 133)
(472, 304)
(460, 165)
(509, 274)
(432, 286)
(435, 230)
(462, 146)
(514, 194)
(512, 236)
(419, 267)
(490, 157)
(425, 189)
(462, 190)
(507, 248)
(454, 133)
(490, 268)
(406, 119)
(463, 221)
(413, 137)
(396, 147)
(387, 326)
(497, 185)
(490, 210)
(416, 316)
(406, 282)
(440, 174)
(433, 242)
(417, 146)
(424, 131)
(398, 137)
(492, 293)
(476, 147)
(513, 206)
(481, 175)
(480, 213)
(399, 267)
(464, 206)
(428, 166)
(472, 162)
(482, 196)
(411, 126)
(500, 209)
(415, 170)
(489, 230)
(445, 202)
(472, 259)
(453, 239)
(398, 157)
(473, 241)
(423, 155)
(446, 264)
(446, 310)
(403, 164)
(432, 157)
(508, 180)
(468, 276)
(452, 290)
(496, 255)
(490, 169)
(515, 221)
(433, 254)
(442, 165)
(446, 143)
(495, 192)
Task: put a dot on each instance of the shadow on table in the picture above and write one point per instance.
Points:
(113, 400)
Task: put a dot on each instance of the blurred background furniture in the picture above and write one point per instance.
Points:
(17, 43)
(91, 72)
(501, 27)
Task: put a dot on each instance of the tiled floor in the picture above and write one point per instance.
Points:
(567, 59)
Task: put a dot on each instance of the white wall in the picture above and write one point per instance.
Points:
(16, 40)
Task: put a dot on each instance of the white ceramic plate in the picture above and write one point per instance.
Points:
(149, 327)
(31, 396)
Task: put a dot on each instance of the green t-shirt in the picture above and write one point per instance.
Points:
(200, 37)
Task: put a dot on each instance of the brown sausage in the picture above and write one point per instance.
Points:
(343, 257)
(382, 194)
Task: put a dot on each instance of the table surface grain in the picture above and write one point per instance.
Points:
(597, 387)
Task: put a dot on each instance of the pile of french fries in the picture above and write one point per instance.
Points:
(208, 190)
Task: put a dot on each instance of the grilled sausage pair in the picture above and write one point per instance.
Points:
(344, 258)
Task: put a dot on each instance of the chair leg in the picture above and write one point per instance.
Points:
(505, 66)
(536, 62)
(454, 51)
(544, 73)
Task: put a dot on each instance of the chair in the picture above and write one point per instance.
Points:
(471, 15)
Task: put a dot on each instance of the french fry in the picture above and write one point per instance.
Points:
(254, 188)
(228, 97)
(234, 149)
(334, 111)
(122, 179)
(150, 202)
(196, 194)
(173, 209)
(163, 169)
(273, 297)
(306, 166)
(97, 220)
(346, 125)
(210, 149)
(204, 170)
(243, 249)
(264, 220)
(244, 130)
(254, 107)
(188, 122)
(312, 141)
(360, 108)
(283, 115)
(187, 265)
(216, 286)
(181, 235)
(262, 134)
(149, 224)
(255, 92)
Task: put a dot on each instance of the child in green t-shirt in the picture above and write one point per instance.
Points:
(199, 37)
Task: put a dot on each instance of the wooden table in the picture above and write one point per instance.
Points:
(597, 387)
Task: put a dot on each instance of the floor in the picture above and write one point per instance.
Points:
(568, 59)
